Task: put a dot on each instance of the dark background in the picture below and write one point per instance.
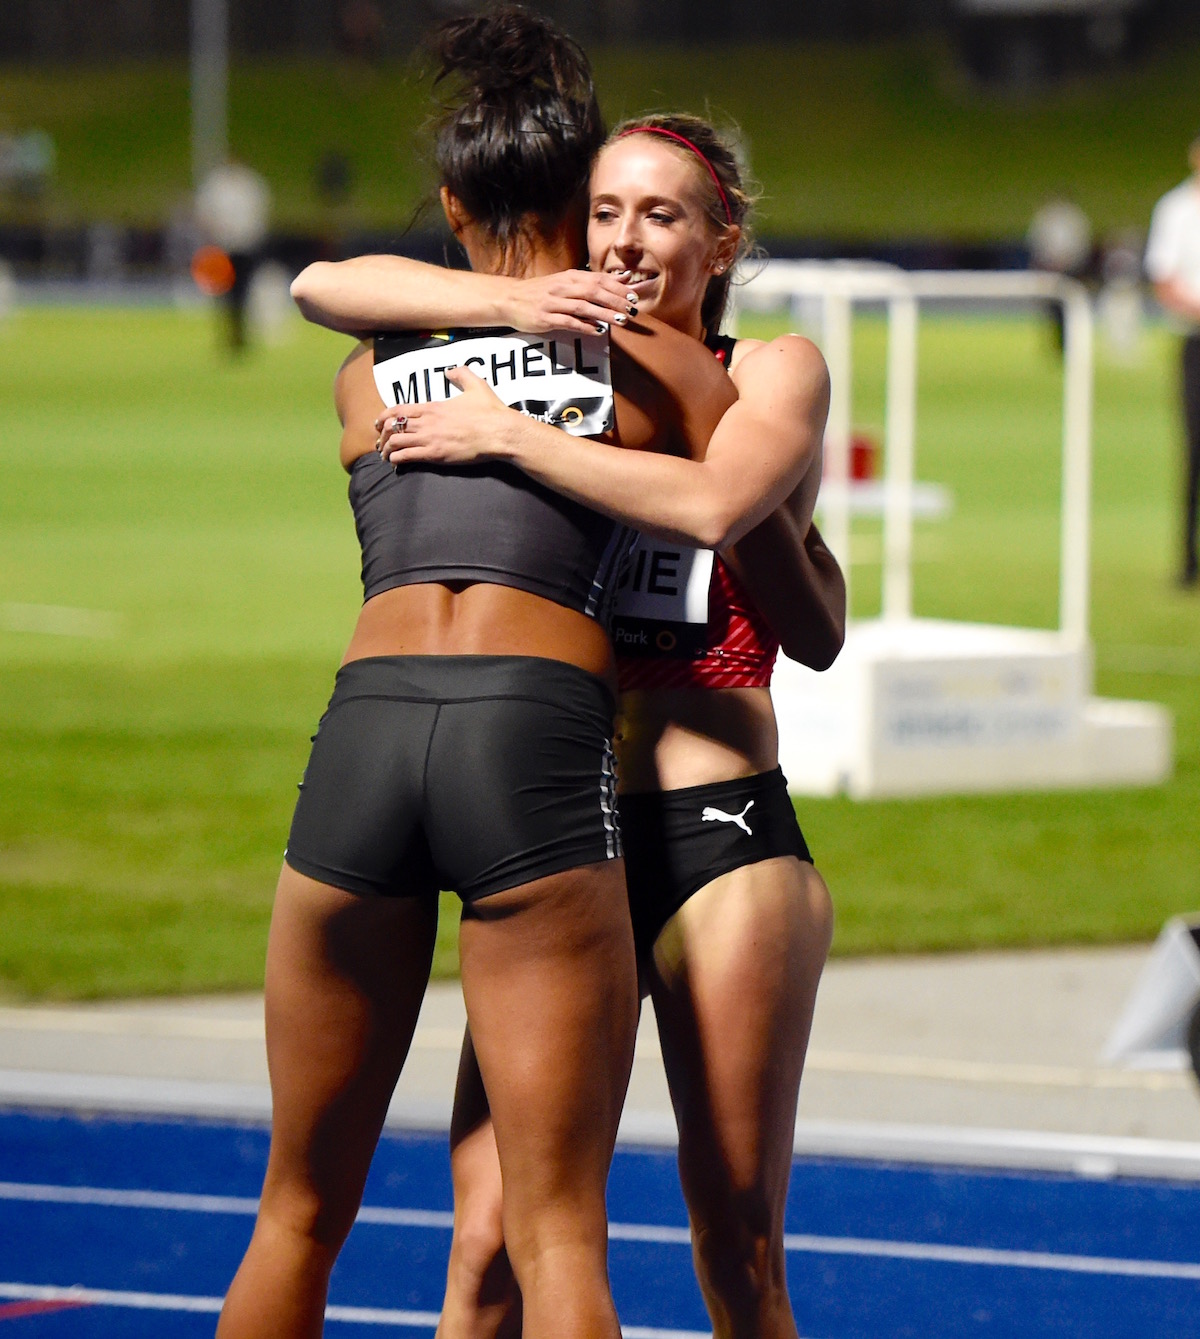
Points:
(1027, 39)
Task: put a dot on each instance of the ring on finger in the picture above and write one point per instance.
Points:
(400, 424)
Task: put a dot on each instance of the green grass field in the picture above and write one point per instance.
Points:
(178, 577)
(853, 141)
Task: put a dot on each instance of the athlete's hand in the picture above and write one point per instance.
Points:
(467, 428)
(570, 300)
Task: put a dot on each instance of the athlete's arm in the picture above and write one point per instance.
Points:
(796, 584)
(793, 578)
(759, 452)
(357, 402)
(393, 292)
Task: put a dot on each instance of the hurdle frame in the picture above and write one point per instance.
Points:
(843, 731)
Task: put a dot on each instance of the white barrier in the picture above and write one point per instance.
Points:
(918, 706)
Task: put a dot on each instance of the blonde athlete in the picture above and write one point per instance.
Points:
(733, 921)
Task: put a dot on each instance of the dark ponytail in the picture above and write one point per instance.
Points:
(518, 136)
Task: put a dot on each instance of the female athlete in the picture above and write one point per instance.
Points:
(466, 746)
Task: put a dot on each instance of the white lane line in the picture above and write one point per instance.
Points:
(1003, 1259)
(800, 1243)
(198, 1028)
(649, 1332)
(33, 1292)
(59, 620)
(139, 1301)
(119, 1023)
(127, 1199)
(183, 1203)
(101, 1023)
(991, 1072)
(355, 1315)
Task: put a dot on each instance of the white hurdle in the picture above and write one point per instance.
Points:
(839, 286)
(918, 706)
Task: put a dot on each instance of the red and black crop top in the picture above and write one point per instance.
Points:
(682, 619)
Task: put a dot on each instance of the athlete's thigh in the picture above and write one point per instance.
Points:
(733, 977)
(550, 985)
(345, 977)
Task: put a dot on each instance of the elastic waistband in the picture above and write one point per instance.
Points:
(467, 678)
(756, 782)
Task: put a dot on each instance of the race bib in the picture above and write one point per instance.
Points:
(561, 378)
(661, 606)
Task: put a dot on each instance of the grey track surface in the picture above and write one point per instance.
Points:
(983, 1058)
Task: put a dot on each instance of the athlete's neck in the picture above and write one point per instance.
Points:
(530, 254)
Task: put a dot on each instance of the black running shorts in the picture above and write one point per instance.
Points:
(676, 841)
(471, 773)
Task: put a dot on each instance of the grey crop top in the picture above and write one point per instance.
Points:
(490, 522)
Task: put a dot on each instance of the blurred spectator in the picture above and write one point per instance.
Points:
(333, 177)
(1120, 301)
(104, 251)
(8, 290)
(233, 207)
(1173, 267)
(360, 29)
(26, 163)
(1060, 241)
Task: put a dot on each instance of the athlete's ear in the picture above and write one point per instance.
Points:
(454, 209)
(727, 249)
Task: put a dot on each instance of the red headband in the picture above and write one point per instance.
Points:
(687, 144)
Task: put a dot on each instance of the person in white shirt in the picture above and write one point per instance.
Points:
(233, 206)
(1173, 268)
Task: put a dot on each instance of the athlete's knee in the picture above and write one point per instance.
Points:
(307, 1221)
(738, 1249)
(478, 1257)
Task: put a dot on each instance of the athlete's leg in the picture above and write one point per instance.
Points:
(550, 986)
(734, 982)
(344, 982)
(482, 1298)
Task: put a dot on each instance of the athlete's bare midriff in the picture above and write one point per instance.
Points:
(670, 738)
(434, 619)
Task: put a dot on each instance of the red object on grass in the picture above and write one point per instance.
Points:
(864, 454)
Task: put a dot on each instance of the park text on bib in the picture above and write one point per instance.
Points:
(661, 606)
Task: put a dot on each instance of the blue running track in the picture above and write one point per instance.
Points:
(134, 1227)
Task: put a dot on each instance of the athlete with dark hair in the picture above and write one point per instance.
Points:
(467, 743)
(733, 922)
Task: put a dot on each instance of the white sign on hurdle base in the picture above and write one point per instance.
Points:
(921, 707)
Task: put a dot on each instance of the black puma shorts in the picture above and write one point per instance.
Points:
(470, 773)
(676, 841)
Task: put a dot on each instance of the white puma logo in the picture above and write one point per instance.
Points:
(711, 815)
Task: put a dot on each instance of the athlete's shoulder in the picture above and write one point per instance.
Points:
(791, 361)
